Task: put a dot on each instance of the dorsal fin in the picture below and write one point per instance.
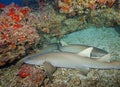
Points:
(63, 43)
(86, 52)
(105, 58)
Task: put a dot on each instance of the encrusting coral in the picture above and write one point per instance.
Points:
(29, 76)
(16, 33)
(68, 6)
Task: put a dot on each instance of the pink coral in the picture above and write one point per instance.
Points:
(15, 30)
(30, 75)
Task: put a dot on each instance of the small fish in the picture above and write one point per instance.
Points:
(76, 48)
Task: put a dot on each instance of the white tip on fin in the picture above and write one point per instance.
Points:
(63, 43)
(105, 58)
(86, 52)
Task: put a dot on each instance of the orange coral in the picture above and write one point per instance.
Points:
(22, 38)
(5, 36)
(13, 15)
(93, 6)
(102, 1)
(16, 17)
(69, 2)
(13, 45)
(6, 25)
(46, 30)
(24, 11)
(66, 9)
(110, 3)
(30, 76)
(12, 10)
(65, 6)
(17, 26)
(1, 27)
(24, 71)
(15, 30)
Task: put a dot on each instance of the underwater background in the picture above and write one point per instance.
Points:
(35, 26)
(7, 2)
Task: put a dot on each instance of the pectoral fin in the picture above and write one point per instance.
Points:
(49, 69)
(84, 71)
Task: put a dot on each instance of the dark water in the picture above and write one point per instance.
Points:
(7, 2)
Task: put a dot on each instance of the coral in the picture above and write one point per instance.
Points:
(102, 1)
(29, 76)
(97, 12)
(68, 6)
(62, 77)
(110, 2)
(69, 2)
(48, 23)
(15, 31)
(106, 17)
(65, 6)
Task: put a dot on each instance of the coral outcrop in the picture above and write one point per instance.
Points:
(30, 76)
(16, 33)
(97, 12)
(67, 6)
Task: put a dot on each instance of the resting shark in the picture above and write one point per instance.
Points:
(71, 60)
(76, 48)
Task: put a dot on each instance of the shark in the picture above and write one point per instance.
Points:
(80, 60)
(76, 48)
(53, 47)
